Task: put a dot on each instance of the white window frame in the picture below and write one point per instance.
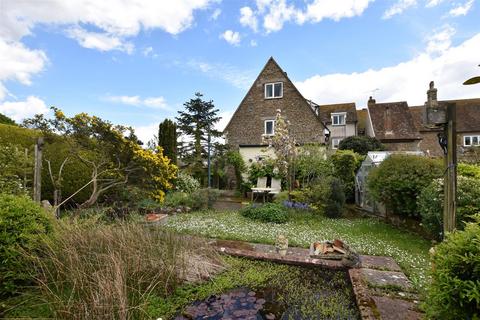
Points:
(338, 114)
(273, 90)
(338, 140)
(471, 141)
(265, 128)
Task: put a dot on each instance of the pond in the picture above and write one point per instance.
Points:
(300, 293)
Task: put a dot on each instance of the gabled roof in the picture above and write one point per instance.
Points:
(271, 60)
(326, 110)
(467, 111)
(393, 121)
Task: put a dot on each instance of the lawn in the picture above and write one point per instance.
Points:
(365, 235)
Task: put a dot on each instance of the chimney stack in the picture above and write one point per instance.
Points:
(371, 101)
(434, 114)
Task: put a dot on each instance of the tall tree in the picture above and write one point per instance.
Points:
(196, 124)
(167, 139)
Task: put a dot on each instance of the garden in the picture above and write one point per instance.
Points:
(95, 254)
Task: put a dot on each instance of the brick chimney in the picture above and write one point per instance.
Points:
(433, 113)
(371, 101)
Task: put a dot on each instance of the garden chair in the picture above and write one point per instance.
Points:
(260, 188)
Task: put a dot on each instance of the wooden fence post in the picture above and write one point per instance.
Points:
(37, 177)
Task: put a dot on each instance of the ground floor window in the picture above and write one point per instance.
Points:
(336, 142)
(469, 141)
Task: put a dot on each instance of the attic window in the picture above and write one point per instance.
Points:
(338, 119)
(269, 127)
(274, 90)
(470, 141)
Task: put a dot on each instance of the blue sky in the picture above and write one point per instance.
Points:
(137, 62)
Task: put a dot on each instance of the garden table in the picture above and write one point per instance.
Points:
(264, 191)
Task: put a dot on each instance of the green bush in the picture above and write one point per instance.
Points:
(454, 292)
(346, 164)
(6, 120)
(468, 170)
(198, 200)
(399, 179)
(22, 224)
(269, 212)
(186, 183)
(326, 196)
(15, 169)
(312, 164)
(430, 204)
(361, 144)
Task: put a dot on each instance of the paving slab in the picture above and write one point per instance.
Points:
(378, 278)
(396, 309)
(379, 263)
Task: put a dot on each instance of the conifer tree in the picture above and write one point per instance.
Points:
(167, 139)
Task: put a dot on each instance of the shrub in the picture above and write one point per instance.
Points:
(346, 164)
(454, 292)
(361, 144)
(15, 169)
(269, 212)
(186, 183)
(234, 158)
(399, 179)
(198, 200)
(6, 120)
(281, 197)
(430, 204)
(262, 168)
(335, 199)
(22, 224)
(98, 271)
(468, 170)
(312, 164)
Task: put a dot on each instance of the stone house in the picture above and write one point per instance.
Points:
(272, 90)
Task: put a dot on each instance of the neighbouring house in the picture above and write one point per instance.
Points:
(272, 90)
(401, 128)
(392, 124)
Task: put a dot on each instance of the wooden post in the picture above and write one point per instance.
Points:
(37, 178)
(450, 188)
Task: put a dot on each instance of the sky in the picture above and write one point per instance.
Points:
(135, 62)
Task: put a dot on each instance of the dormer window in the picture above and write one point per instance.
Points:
(338, 119)
(269, 127)
(273, 90)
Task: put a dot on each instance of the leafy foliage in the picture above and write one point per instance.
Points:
(269, 212)
(361, 144)
(468, 170)
(167, 139)
(312, 163)
(22, 224)
(198, 200)
(186, 183)
(15, 169)
(265, 167)
(234, 158)
(399, 179)
(6, 120)
(326, 195)
(346, 164)
(454, 292)
(431, 199)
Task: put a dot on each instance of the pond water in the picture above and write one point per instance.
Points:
(302, 293)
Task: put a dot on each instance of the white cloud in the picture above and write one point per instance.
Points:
(253, 43)
(147, 51)
(248, 18)
(239, 78)
(19, 110)
(216, 14)
(225, 118)
(408, 80)
(231, 37)
(461, 9)
(150, 102)
(399, 7)
(433, 3)
(18, 63)
(120, 19)
(440, 40)
(275, 13)
(99, 41)
(147, 132)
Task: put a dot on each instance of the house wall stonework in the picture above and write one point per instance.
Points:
(247, 124)
(402, 146)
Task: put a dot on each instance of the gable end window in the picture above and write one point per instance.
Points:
(273, 90)
(338, 119)
(471, 141)
(269, 127)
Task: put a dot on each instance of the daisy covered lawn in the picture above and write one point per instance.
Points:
(368, 236)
